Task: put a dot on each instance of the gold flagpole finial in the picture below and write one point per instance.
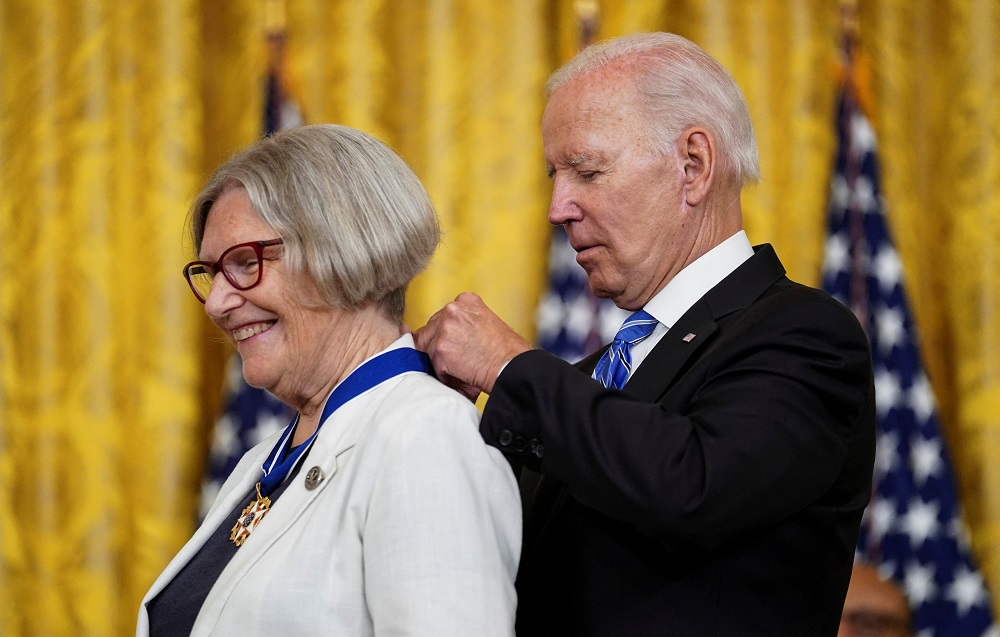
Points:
(848, 29)
(275, 20)
(275, 31)
(588, 15)
(854, 65)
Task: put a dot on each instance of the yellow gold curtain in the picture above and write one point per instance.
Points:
(112, 113)
(102, 141)
(454, 87)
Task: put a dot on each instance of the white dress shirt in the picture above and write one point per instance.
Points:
(689, 285)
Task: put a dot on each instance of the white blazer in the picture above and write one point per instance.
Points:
(415, 528)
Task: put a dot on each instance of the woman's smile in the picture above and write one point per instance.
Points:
(245, 332)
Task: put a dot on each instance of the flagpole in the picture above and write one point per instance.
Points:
(856, 217)
(587, 19)
(912, 529)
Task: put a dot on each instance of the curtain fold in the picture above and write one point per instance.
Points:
(100, 347)
(454, 88)
(112, 114)
(968, 313)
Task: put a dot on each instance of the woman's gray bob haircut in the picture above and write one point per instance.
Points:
(352, 214)
(680, 86)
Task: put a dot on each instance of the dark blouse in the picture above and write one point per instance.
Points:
(173, 611)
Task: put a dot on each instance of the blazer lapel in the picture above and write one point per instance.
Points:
(337, 436)
(228, 500)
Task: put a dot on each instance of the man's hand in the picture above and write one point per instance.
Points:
(469, 344)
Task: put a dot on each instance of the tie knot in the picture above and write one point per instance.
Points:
(616, 364)
(636, 328)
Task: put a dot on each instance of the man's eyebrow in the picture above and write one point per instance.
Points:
(550, 168)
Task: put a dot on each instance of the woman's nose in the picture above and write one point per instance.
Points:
(222, 297)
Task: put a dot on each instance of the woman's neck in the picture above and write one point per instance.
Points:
(367, 334)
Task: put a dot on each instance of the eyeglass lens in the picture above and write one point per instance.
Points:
(240, 265)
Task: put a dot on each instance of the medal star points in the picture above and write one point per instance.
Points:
(249, 518)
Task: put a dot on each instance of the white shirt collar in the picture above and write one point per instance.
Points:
(691, 283)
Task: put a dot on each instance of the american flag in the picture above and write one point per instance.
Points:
(571, 321)
(912, 530)
(249, 415)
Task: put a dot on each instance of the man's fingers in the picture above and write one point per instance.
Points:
(421, 338)
(470, 392)
(468, 344)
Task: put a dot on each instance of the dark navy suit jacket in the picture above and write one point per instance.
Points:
(719, 494)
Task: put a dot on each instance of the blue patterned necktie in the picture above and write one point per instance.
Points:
(615, 366)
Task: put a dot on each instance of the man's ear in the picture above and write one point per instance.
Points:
(698, 159)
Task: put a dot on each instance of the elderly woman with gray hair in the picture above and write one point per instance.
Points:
(378, 510)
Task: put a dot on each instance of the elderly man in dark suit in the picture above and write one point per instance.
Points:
(705, 475)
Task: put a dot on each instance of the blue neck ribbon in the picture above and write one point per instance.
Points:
(377, 370)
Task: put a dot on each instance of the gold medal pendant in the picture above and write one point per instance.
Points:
(250, 518)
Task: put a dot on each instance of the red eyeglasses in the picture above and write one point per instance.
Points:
(242, 265)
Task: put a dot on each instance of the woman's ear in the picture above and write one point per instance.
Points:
(698, 160)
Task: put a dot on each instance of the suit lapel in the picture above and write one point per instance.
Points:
(694, 329)
(546, 498)
(658, 371)
(588, 364)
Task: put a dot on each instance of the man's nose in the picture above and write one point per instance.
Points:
(563, 207)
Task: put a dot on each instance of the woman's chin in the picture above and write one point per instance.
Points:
(256, 378)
